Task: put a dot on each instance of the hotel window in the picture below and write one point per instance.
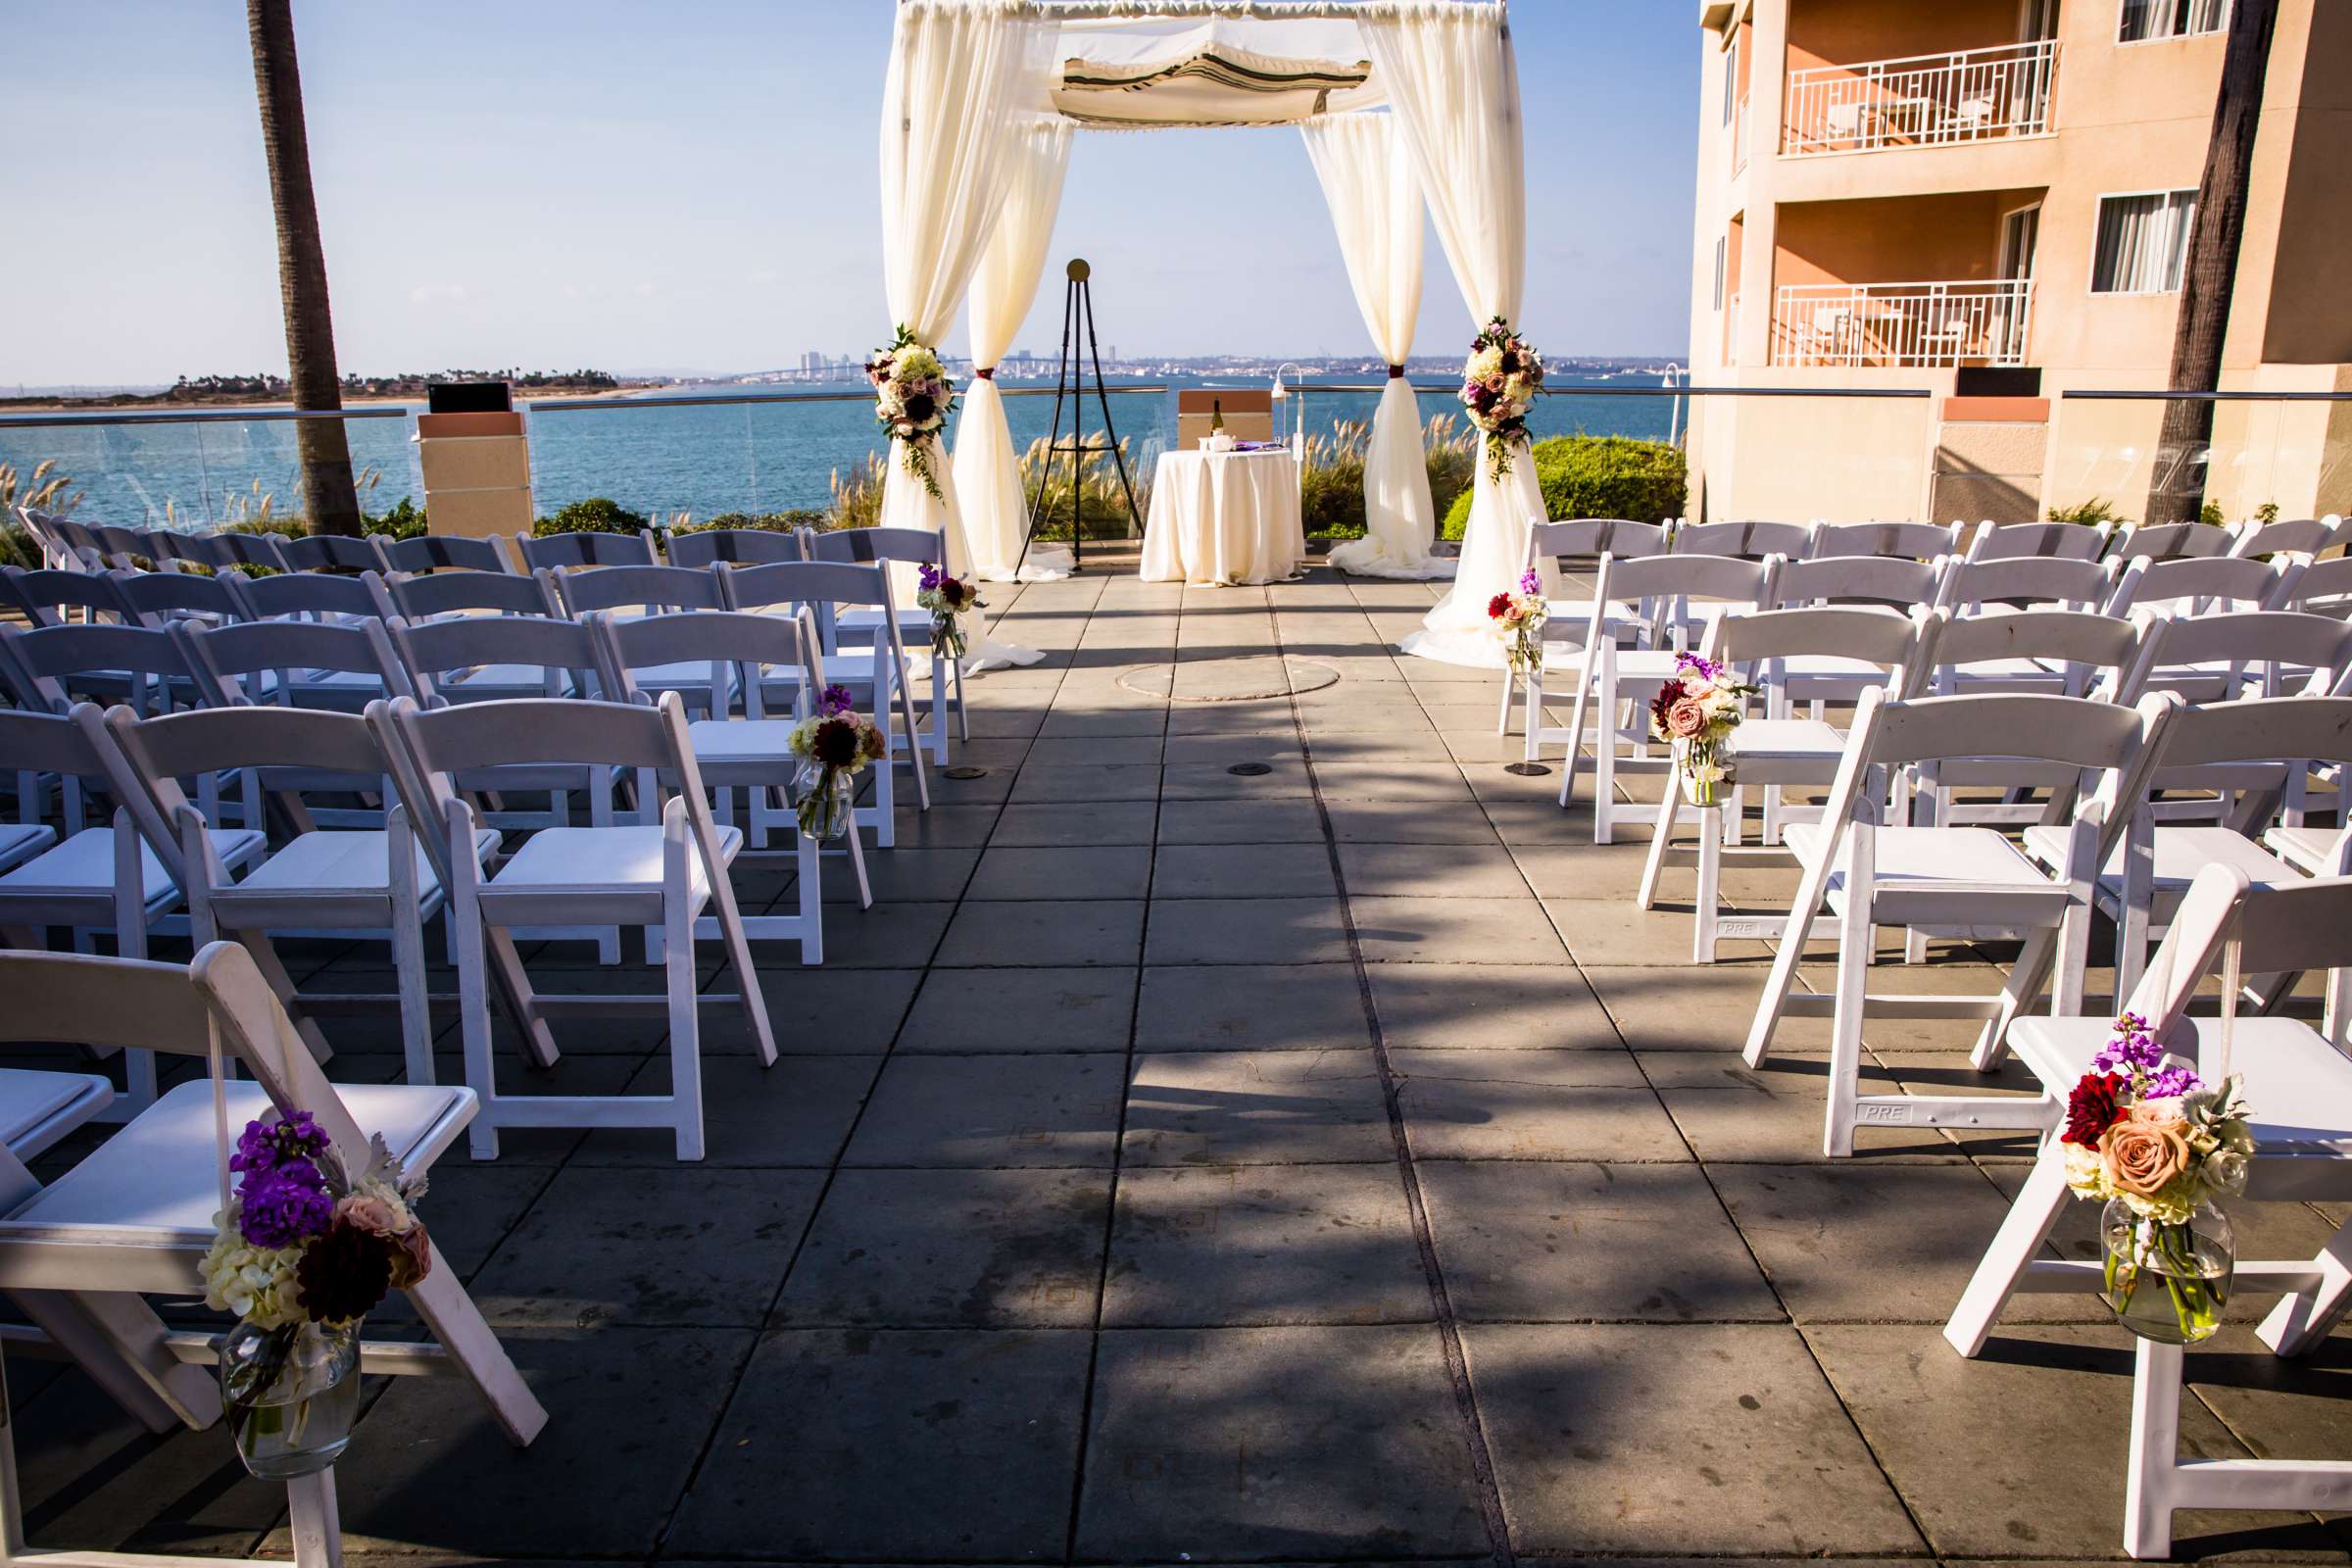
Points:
(1719, 274)
(2150, 21)
(1731, 77)
(2144, 242)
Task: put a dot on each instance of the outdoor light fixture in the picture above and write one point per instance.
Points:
(1292, 420)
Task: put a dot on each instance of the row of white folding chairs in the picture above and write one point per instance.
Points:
(2201, 659)
(662, 871)
(1983, 541)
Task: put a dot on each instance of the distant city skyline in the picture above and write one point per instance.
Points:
(693, 190)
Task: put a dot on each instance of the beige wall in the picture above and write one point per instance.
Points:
(2127, 119)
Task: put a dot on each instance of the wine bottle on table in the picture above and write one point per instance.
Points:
(1216, 416)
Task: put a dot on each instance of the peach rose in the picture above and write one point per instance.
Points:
(373, 1214)
(2143, 1154)
(1685, 717)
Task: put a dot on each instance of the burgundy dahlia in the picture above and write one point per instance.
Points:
(1498, 606)
(2095, 1106)
(836, 743)
(343, 1274)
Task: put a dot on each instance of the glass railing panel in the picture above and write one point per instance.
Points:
(2144, 457)
(205, 470)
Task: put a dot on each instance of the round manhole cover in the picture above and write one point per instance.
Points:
(1251, 769)
(1230, 680)
(966, 773)
(1526, 769)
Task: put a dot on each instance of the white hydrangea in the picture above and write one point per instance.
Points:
(252, 1283)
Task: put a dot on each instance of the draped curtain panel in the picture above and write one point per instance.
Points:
(1375, 198)
(987, 471)
(1453, 89)
(964, 75)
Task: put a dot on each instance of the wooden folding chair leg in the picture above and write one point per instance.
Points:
(1661, 840)
(2299, 1322)
(1502, 708)
(1790, 952)
(119, 1340)
(2155, 1449)
(457, 1325)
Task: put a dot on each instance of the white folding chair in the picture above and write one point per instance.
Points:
(430, 595)
(1773, 751)
(641, 874)
(1567, 622)
(629, 592)
(2172, 541)
(324, 553)
(751, 754)
(562, 552)
(1613, 683)
(49, 596)
(2060, 541)
(2305, 536)
(358, 881)
(856, 625)
(1751, 541)
(745, 547)
(877, 671)
(166, 597)
(440, 552)
(135, 1216)
(1968, 882)
(2298, 1083)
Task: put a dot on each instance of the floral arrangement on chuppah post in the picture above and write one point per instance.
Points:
(2159, 1146)
(834, 745)
(947, 598)
(1695, 712)
(304, 1250)
(912, 399)
(1518, 620)
(1499, 384)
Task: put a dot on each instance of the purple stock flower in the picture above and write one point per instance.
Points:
(930, 577)
(268, 1145)
(283, 1205)
(836, 701)
(1531, 583)
(2134, 1053)
(1693, 664)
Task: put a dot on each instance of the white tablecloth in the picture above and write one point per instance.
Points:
(1224, 517)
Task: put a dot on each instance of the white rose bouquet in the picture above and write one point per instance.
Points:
(1695, 712)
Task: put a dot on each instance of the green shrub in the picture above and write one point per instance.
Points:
(1451, 457)
(2095, 510)
(1598, 477)
(766, 522)
(1102, 504)
(1330, 484)
(405, 520)
(596, 515)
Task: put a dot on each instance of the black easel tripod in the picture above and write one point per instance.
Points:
(1069, 382)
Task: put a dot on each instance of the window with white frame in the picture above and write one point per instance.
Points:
(2148, 21)
(1730, 75)
(1719, 273)
(2142, 242)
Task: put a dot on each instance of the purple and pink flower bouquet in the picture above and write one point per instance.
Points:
(304, 1250)
(1517, 619)
(1695, 713)
(834, 745)
(2148, 1136)
(947, 598)
(912, 399)
(1500, 384)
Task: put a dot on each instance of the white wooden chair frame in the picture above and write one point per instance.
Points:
(609, 736)
(2063, 541)
(1906, 541)
(2050, 908)
(2307, 926)
(906, 548)
(81, 1280)
(1547, 544)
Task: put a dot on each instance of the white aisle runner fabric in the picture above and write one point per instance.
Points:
(1375, 198)
(1453, 89)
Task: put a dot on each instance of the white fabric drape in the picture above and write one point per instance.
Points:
(1374, 194)
(963, 76)
(987, 471)
(1453, 89)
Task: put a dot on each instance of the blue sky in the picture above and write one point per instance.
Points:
(690, 186)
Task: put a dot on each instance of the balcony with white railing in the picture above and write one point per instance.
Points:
(1943, 100)
(1739, 134)
(1901, 325)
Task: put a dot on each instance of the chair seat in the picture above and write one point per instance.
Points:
(341, 862)
(37, 1109)
(742, 740)
(694, 672)
(484, 682)
(1788, 737)
(626, 859)
(2299, 1086)
(21, 842)
(2181, 852)
(2309, 849)
(869, 616)
(85, 864)
(161, 1172)
(1911, 864)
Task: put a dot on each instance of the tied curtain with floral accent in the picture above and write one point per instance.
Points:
(1454, 89)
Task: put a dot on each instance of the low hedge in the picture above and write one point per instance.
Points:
(765, 523)
(1600, 476)
(596, 515)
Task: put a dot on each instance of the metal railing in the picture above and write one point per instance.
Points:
(1902, 325)
(1921, 100)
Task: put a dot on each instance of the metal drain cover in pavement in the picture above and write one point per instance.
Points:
(966, 773)
(1230, 680)
(1251, 769)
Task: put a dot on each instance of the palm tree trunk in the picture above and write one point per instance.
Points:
(2209, 277)
(329, 500)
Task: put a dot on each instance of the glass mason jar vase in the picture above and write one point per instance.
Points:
(825, 799)
(2167, 1283)
(1704, 768)
(291, 1396)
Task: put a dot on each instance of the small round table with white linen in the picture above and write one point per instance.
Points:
(1224, 517)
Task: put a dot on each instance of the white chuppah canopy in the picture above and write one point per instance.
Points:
(974, 144)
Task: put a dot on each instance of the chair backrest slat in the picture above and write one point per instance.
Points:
(434, 649)
(223, 655)
(785, 582)
(219, 739)
(877, 544)
(2307, 536)
(455, 592)
(1869, 579)
(437, 552)
(1848, 631)
(314, 593)
(594, 588)
(155, 595)
(2290, 927)
(2083, 584)
(37, 594)
(1905, 541)
(585, 548)
(705, 547)
(330, 552)
(706, 636)
(2060, 541)
(2229, 579)
(1722, 577)
(1754, 539)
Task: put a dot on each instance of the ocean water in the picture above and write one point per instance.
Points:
(697, 459)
